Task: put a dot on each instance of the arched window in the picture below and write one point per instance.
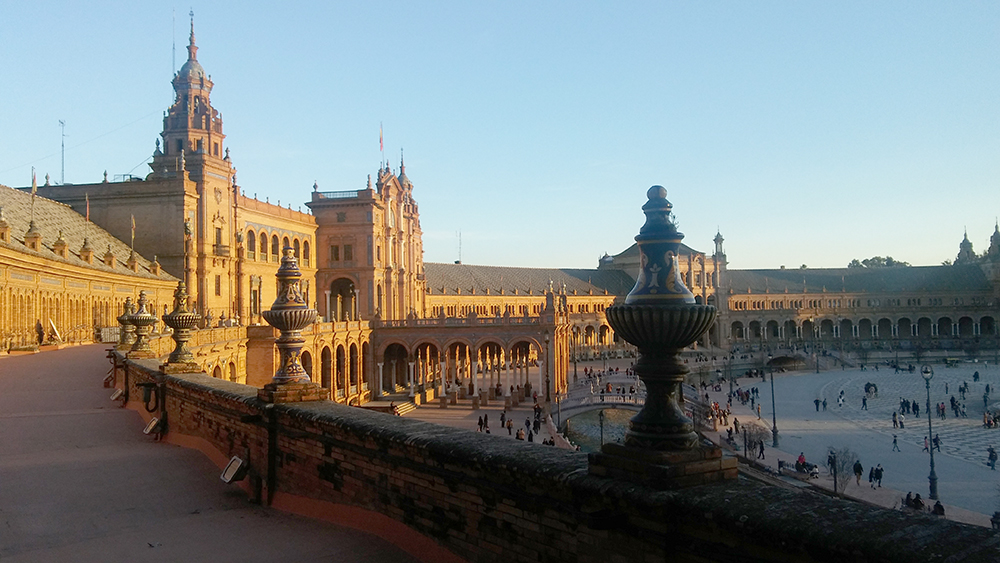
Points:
(275, 251)
(305, 252)
(263, 246)
(251, 246)
(295, 247)
(284, 245)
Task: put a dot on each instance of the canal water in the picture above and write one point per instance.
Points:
(584, 429)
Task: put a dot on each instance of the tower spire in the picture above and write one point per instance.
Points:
(192, 48)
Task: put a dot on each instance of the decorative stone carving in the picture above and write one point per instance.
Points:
(143, 322)
(126, 330)
(660, 317)
(290, 314)
(182, 322)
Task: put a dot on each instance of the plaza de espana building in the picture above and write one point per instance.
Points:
(391, 323)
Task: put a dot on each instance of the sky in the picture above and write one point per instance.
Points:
(805, 132)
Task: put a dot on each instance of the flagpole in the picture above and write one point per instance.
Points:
(34, 189)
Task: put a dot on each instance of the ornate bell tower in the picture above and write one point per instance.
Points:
(195, 163)
(191, 124)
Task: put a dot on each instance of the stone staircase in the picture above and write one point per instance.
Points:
(405, 407)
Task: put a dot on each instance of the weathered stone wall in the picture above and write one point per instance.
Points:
(484, 498)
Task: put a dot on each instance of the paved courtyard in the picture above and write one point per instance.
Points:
(80, 482)
(964, 479)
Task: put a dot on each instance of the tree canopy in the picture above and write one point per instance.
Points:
(877, 262)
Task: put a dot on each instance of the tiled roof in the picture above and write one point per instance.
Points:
(860, 280)
(450, 277)
(52, 217)
(633, 251)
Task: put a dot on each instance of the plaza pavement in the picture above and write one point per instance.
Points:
(966, 485)
(462, 415)
(80, 482)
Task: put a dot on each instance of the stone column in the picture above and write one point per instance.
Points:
(410, 378)
(329, 316)
(381, 390)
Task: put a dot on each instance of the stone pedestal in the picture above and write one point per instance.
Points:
(507, 403)
(182, 367)
(292, 392)
(444, 401)
(475, 403)
(484, 398)
(453, 398)
(664, 470)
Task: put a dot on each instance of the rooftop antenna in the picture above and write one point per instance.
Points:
(62, 125)
(459, 247)
(173, 41)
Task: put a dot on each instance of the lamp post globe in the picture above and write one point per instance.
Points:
(927, 372)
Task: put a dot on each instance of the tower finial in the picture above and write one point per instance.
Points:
(402, 167)
(192, 49)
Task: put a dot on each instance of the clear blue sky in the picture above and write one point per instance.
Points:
(807, 132)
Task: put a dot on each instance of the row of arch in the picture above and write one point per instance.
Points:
(475, 367)
(258, 245)
(923, 327)
(343, 369)
(26, 311)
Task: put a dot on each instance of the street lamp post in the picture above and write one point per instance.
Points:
(548, 362)
(928, 373)
(774, 415)
(600, 416)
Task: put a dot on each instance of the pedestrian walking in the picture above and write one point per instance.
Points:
(901, 417)
(858, 471)
(824, 404)
(895, 420)
(760, 454)
(480, 424)
(937, 442)
(992, 456)
(878, 475)
(510, 427)
(816, 401)
(895, 444)
(864, 403)
(871, 477)
(758, 412)
(926, 445)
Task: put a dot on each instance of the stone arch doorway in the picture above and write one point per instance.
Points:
(394, 367)
(307, 363)
(326, 367)
(342, 300)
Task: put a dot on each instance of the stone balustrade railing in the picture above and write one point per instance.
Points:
(447, 494)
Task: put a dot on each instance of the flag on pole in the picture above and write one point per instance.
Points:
(87, 197)
(381, 146)
(133, 232)
(34, 189)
